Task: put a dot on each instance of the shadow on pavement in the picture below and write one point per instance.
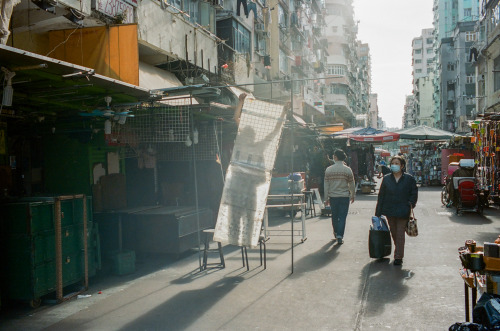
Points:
(181, 310)
(469, 218)
(482, 237)
(384, 284)
(316, 260)
(366, 197)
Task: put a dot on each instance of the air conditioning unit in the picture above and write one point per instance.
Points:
(260, 27)
(449, 111)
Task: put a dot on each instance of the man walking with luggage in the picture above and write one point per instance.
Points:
(339, 189)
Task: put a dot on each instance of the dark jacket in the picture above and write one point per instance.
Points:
(396, 198)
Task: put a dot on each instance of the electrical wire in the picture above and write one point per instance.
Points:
(63, 42)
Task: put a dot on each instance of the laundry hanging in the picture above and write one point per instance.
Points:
(238, 6)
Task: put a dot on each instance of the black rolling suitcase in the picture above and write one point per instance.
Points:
(379, 243)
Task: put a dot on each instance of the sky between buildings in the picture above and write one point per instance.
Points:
(389, 26)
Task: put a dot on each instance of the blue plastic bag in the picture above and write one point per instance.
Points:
(380, 223)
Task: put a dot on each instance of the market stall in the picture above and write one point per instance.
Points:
(486, 133)
(424, 162)
(425, 156)
(480, 273)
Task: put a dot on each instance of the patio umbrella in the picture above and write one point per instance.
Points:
(424, 132)
(366, 135)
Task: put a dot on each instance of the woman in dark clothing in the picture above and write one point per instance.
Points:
(398, 194)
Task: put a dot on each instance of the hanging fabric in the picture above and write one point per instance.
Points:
(245, 7)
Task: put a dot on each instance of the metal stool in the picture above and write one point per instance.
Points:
(244, 253)
(209, 233)
(310, 205)
(262, 243)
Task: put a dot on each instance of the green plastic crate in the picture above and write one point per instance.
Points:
(123, 262)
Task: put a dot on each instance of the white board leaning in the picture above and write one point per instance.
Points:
(249, 173)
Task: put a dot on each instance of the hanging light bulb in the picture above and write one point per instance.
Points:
(107, 127)
(195, 136)
(188, 141)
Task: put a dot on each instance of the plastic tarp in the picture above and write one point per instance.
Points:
(111, 51)
(423, 132)
(248, 176)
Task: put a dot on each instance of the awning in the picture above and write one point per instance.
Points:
(329, 129)
(423, 132)
(44, 83)
(237, 91)
(181, 100)
(366, 135)
(151, 77)
(155, 78)
(299, 120)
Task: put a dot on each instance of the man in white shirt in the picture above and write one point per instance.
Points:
(339, 189)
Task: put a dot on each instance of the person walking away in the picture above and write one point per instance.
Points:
(339, 190)
(398, 194)
(383, 170)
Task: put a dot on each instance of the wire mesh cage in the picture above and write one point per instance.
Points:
(205, 147)
(157, 125)
(167, 133)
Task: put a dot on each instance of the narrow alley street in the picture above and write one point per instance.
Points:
(332, 287)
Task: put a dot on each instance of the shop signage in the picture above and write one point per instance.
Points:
(404, 149)
(113, 8)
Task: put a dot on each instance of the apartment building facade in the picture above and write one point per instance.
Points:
(452, 19)
(485, 55)
(423, 58)
(341, 98)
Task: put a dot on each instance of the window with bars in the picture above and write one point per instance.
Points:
(241, 38)
(496, 73)
(283, 62)
(470, 36)
(338, 70)
(338, 89)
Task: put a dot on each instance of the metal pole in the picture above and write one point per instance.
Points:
(195, 185)
(292, 143)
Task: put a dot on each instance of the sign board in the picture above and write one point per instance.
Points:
(404, 149)
(113, 8)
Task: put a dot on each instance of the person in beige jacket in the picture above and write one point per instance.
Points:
(339, 189)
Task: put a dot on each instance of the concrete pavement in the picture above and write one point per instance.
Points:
(332, 287)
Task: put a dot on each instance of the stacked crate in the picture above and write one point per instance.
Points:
(49, 243)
